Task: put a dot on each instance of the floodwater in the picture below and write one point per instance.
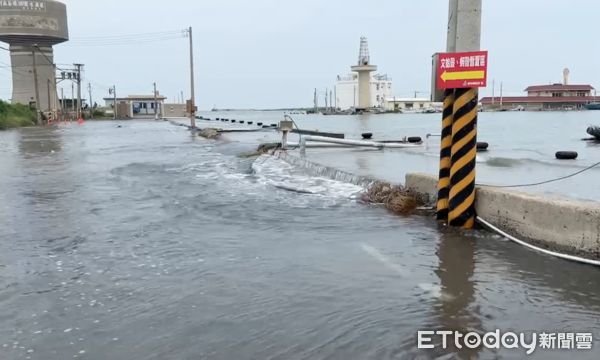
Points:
(142, 242)
(522, 147)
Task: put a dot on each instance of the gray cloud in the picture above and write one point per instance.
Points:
(273, 53)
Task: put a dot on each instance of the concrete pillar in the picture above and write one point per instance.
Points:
(364, 90)
(364, 85)
(452, 23)
(23, 77)
(468, 25)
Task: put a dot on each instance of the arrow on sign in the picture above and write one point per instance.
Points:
(463, 75)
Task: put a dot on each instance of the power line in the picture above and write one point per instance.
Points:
(129, 36)
(127, 39)
(16, 70)
(50, 61)
(544, 182)
(121, 43)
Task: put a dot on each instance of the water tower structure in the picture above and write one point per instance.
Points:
(31, 28)
(364, 70)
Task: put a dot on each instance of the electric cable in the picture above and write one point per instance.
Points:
(543, 182)
(536, 248)
(50, 62)
(115, 40)
(128, 36)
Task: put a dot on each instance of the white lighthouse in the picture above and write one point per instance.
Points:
(364, 70)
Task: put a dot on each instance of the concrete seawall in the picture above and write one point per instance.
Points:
(563, 225)
(324, 171)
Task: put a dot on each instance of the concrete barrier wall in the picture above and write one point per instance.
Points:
(324, 171)
(568, 226)
(558, 224)
(423, 184)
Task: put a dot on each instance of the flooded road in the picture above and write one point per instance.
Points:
(142, 242)
(522, 146)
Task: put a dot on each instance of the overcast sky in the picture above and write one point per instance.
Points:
(273, 53)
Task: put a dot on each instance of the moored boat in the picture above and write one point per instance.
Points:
(592, 106)
(594, 131)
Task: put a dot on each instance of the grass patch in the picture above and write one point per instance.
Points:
(15, 115)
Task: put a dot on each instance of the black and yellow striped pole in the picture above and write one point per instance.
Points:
(461, 71)
(461, 209)
(445, 156)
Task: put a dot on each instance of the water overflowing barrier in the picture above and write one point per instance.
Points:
(560, 225)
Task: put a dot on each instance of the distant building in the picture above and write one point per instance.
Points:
(545, 97)
(136, 105)
(175, 110)
(411, 105)
(346, 89)
(560, 96)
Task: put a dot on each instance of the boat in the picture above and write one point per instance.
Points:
(592, 106)
(594, 131)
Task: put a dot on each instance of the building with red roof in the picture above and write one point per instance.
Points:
(545, 97)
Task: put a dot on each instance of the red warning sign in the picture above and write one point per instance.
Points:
(462, 70)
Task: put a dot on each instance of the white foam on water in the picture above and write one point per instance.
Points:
(435, 291)
(275, 172)
(377, 255)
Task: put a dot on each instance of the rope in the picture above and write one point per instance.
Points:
(539, 249)
(543, 182)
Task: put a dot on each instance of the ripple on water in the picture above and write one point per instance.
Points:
(190, 253)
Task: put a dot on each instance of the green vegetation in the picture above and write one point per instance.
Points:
(100, 114)
(15, 115)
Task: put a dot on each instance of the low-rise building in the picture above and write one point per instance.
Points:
(137, 105)
(545, 97)
(411, 105)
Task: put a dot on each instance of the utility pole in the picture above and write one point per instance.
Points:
(501, 95)
(36, 86)
(155, 104)
(49, 101)
(62, 103)
(182, 98)
(78, 66)
(114, 91)
(193, 91)
(91, 102)
(316, 102)
(456, 197)
(331, 100)
(54, 91)
(326, 103)
(493, 91)
(335, 95)
(72, 97)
